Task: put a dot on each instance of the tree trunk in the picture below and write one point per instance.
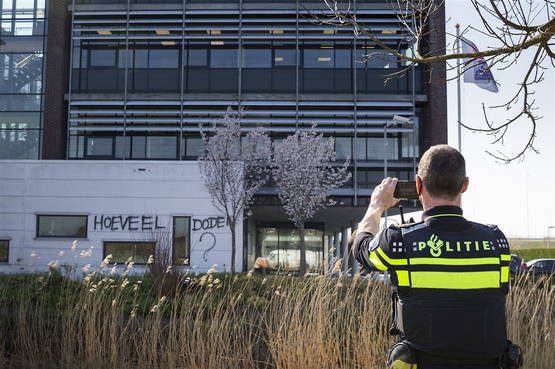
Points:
(233, 246)
(302, 268)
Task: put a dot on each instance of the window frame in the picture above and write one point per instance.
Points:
(38, 235)
(126, 242)
(7, 241)
(188, 247)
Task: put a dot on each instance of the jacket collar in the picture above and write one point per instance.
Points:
(443, 211)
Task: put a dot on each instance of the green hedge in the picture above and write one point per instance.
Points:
(531, 254)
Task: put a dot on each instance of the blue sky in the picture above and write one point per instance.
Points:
(519, 197)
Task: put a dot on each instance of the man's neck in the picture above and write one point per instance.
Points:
(429, 202)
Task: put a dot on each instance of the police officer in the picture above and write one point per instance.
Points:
(449, 275)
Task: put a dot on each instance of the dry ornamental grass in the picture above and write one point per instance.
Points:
(238, 322)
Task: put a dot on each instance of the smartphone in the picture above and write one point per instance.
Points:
(406, 190)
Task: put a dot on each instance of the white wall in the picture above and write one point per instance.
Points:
(112, 188)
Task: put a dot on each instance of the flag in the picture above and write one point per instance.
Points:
(476, 70)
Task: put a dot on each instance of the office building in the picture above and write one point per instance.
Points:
(133, 80)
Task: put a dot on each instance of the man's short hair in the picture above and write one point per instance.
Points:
(442, 170)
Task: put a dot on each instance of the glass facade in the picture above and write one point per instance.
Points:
(144, 78)
(214, 67)
(22, 49)
(277, 248)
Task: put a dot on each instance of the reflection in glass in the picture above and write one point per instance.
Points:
(194, 147)
(62, 226)
(181, 240)
(19, 143)
(138, 252)
(123, 147)
(161, 147)
(372, 58)
(278, 249)
(19, 120)
(21, 73)
(343, 147)
(376, 148)
(100, 146)
(20, 103)
(360, 148)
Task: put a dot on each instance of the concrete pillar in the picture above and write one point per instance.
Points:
(337, 245)
(354, 264)
(345, 248)
(329, 254)
(56, 69)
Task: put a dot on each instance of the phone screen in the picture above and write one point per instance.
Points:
(406, 190)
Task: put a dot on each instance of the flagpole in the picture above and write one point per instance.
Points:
(458, 26)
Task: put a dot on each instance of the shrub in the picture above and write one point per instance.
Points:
(531, 254)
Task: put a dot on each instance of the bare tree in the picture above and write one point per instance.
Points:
(512, 27)
(303, 171)
(233, 168)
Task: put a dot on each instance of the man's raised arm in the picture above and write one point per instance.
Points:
(367, 238)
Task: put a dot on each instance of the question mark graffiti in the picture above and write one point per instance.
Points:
(211, 247)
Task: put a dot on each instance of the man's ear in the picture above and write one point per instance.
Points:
(465, 185)
(418, 185)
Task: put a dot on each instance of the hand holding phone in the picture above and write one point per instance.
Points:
(406, 190)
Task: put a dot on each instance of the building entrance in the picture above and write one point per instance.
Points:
(278, 248)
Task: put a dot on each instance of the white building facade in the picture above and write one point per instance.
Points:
(76, 213)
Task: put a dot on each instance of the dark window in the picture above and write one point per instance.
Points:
(4, 251)
(198, 57)
(62, 226)
(102, 57)
(223, 58)
(318, 58)
(181, 240)
(141, 58)
(123, 251)
(257, 58)
(284, 57)
(164, 58)
(372, 58)
(343, 58)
